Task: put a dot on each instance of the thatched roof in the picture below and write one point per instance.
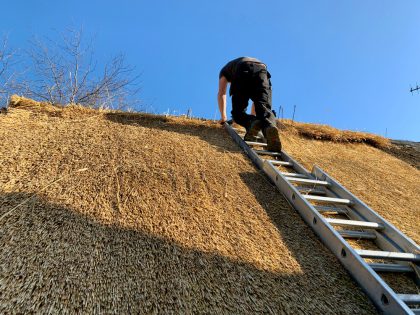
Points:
(125, 213)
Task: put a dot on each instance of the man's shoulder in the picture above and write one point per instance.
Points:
(227, 69)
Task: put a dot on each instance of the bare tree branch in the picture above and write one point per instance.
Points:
(7, 76)
(66, 72)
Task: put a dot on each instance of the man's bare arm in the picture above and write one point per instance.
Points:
(221, 98)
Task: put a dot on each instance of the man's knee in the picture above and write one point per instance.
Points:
(238, 114)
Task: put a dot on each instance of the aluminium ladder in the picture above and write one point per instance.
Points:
(315, 195)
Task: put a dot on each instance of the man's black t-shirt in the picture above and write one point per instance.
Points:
(229, 70)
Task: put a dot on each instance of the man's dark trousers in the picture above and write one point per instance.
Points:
(252, 81)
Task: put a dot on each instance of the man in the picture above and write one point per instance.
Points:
(249, 79)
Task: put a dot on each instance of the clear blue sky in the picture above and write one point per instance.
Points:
(348, 64)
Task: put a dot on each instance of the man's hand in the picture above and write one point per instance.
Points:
(222, 120)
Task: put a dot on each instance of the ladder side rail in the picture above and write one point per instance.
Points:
(404, 242)
(296, 165)
(378, 291)
(284, 156)
(381, 239)
(389, 302)
(388, 239)
(353, 215)
(255, 158)
(350, 212)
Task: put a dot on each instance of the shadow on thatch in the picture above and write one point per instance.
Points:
(56, 260)
(407, 152)
(285, 219)
(208, 131)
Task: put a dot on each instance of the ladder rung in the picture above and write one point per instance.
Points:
(357, 234)
(294, 175)
(410, 299)
(282, 163)
(264, 152)
(242, 133)
(331, 209)
(310, 190)
(328, 199)
(390, 267)
(307, 181)
(256, 143)
(378, 254)
(356, 224)
(258, 137)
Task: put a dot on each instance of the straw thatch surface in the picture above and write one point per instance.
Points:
(328, 133)
(118, 213)
(403, 150)
(387, 184)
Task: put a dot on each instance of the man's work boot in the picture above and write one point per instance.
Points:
(253, 130)
(273, 139)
